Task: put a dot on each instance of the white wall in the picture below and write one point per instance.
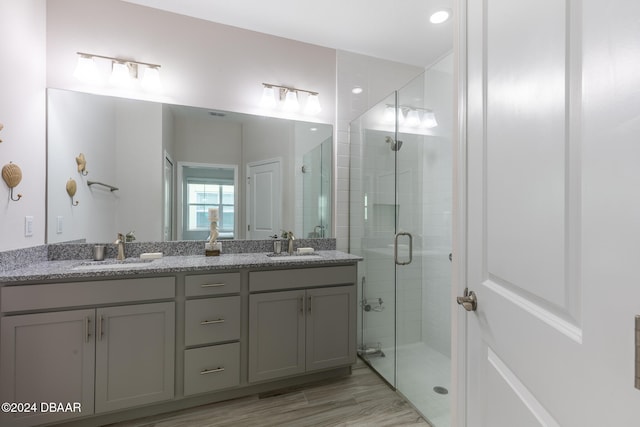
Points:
(22, 112)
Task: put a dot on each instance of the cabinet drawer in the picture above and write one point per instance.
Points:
(211, 368)
(212, 284)
(212, 320)
(296, 278)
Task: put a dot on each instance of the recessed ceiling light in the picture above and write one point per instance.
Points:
(356, 90)
(313, 129)
(439, 17)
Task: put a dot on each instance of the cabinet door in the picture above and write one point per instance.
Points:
(331, 327)
(135, 348)
(47, 357)
(276, 335)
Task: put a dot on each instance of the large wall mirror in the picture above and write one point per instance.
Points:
(155, 169)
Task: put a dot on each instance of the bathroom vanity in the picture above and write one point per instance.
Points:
(106, 342)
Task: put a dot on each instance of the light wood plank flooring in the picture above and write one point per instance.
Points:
(362, 399)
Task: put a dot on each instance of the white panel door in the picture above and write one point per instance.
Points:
(553, 212)
(264, 200)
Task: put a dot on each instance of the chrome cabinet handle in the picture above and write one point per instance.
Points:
(87, 326)
(395, 248)
(100, 326)
(212, 285)
(301, 305)
(309, 308)
(211, 322)
(211, 371)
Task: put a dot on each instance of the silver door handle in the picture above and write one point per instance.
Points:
(469, 300)
(395, 248)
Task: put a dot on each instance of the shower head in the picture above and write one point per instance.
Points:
(395, 145)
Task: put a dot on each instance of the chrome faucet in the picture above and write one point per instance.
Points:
(120, 242)
(290, 238)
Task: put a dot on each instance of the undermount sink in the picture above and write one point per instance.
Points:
(285, 257)
(112, 264)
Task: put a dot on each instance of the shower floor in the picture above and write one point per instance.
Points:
(420, 369)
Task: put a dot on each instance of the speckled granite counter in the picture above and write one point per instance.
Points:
(79, 269)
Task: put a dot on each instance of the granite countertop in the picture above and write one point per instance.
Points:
(77, 269)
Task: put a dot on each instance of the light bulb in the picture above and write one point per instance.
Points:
(400, 116)
(291, 101)
(413, 118)
(268, 97)
(313, 104)
(151, 79)
(120, 74)
(86, 70)
(389, 114)
(429, 120)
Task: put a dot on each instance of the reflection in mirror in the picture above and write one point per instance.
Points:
(142, 148)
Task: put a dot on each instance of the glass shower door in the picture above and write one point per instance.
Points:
(423, 292)
(400, 223)
(372, 230)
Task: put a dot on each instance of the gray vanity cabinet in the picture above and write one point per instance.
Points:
(47, 357)
(276, 335)
(117, 356)
(301, 330)
(330, 327)
(135, 349)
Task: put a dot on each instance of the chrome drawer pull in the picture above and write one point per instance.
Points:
(211, 371)
(212, 285)
(211, 322)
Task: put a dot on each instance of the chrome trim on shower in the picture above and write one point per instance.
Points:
(395, 248)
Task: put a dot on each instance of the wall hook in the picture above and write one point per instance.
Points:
(71, 190)
(82, 164)
(12, 175)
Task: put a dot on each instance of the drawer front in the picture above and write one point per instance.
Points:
(211, 368)
(296, 278)
(212, 284)
(212, 320)
(56, 295)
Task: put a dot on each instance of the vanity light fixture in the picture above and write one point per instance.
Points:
(289, 98)
(124, 72)
(411, 116)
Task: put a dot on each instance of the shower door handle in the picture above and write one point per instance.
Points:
(395, 248)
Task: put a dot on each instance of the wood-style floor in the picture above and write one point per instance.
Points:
(361, 399)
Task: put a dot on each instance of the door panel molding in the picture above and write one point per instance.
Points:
(538, 310)
(529, 403)
(531, 121)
